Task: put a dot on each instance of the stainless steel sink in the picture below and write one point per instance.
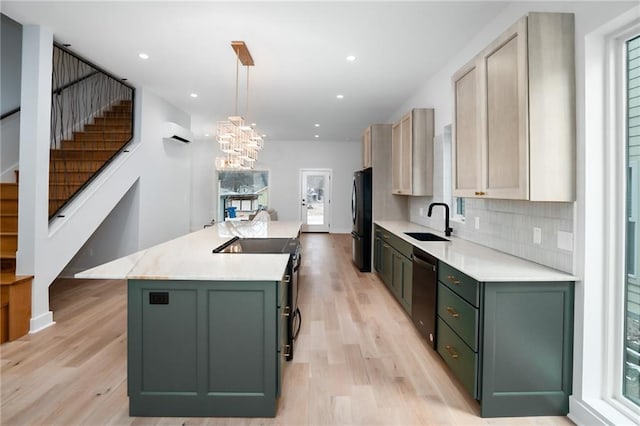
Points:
(425, 236)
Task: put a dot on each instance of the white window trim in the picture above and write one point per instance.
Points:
(600, 222)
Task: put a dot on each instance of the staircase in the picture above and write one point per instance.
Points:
(15, 290)
(77, 160)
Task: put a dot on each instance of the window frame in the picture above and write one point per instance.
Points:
(616, 172)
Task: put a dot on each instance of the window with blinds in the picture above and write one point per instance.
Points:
(631, 386)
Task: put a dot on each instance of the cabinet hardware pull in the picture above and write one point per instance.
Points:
(386, 237)
(287, 350)
(453, 279)
(286, 311)
(453, 312)
(287, 279)
(480, 193)
(387, 246)
(451, 352)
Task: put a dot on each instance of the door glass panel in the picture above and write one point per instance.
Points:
(315, 197)
(631, 387)
(314, 190)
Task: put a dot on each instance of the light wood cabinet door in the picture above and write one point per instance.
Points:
(366, 148)
(467, 147)
(516, 139)
(504, 115)
(412, 153)
(396, 157)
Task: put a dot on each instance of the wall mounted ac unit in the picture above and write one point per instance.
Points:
(176, 132)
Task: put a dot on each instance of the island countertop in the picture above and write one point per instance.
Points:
(479, 262)
(190, 256)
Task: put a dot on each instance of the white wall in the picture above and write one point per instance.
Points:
(117, 236)
(284, 159)
(165, 178)
(203, 182)
(501, 221)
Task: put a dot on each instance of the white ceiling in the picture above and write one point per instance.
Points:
(299, 49)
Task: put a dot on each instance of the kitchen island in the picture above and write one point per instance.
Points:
(204, 330)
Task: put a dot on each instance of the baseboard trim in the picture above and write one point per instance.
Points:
(41, 322)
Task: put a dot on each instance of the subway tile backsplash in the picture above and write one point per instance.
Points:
(507, 226)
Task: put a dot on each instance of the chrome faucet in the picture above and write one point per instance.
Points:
(447, 229)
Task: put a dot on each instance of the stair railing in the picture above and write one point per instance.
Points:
(92, 121)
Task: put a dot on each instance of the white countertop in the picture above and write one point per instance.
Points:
(475, 260)
(190, 257)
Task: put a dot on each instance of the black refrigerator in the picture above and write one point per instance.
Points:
(361, 216)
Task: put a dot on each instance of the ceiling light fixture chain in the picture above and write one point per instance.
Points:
(237, 140)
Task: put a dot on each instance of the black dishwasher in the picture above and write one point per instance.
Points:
(424, 293)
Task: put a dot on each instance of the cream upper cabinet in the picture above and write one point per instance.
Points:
(412, 153)
(520, 129)
(467, 155)
(366, 148)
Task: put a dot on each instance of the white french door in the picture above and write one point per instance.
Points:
(315, 200)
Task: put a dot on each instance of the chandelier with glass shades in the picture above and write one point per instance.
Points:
(238, 141)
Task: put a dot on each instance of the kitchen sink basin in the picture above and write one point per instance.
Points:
(425, 236)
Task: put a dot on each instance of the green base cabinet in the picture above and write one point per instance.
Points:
(392, 261)
(509, 343)
(204, 348)
(527, 349)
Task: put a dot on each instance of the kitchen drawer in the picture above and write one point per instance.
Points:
(405, 248)
(460, 283)
(462, 360)
(459, 315)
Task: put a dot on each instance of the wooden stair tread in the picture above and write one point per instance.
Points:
(8, 278)
(6, 254)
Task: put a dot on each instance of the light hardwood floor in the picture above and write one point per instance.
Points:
(358, 359)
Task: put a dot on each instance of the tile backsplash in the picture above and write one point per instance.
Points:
(508, 226)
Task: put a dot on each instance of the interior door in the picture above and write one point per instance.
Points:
(315, 200)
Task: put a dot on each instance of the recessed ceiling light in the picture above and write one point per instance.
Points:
(143, 56)
(194, 95)
(340, 96)
(264, 136)
(351, 58)
(316, 136)
(206, 135)
(317, 125)
(253, 124)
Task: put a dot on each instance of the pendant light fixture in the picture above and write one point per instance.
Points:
(240, 142)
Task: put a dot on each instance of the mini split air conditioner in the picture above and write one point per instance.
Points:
(176, 132)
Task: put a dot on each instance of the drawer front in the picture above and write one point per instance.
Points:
(462, 360)
(405, 248)
(459, 315)
(460, 283)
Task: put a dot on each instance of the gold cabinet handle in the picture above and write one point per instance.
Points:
(452, 353)
(287, 350)
(386, 237)
(453, 279)
(286, 311)
(480, 193)
(287, 279)
(453, 312)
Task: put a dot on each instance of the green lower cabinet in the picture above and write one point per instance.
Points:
(405, 285)
(527, 349)
(387, 264)
(394, 265)
(510, 344)
(203, 348)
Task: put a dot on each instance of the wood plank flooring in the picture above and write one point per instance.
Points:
(358, 359)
